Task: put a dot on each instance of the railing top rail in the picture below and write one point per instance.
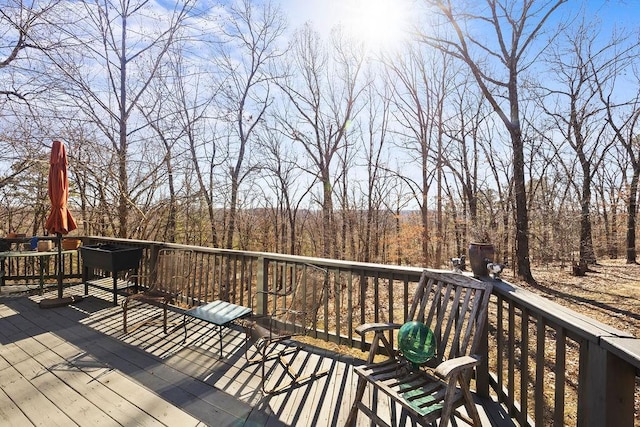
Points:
(627, 349)
(621, 343)
(565, 317)
(326, 262)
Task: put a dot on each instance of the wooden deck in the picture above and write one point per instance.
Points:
(73, 366)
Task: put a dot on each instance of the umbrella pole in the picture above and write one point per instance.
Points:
(60, 265)
(60, 301)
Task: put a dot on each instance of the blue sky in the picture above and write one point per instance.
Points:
(326, 13)
(612, 13)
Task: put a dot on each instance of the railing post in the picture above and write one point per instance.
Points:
(482, 370)
(262, 286)
(607, 395)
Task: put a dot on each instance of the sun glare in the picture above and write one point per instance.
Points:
(377, 23)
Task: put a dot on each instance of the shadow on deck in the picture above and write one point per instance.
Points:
(74, 366)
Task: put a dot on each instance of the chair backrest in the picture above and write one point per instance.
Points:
(172, 271)
(282, 318)
(454, 307)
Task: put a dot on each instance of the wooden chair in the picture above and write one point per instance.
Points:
(272, 338)
(454, 307)
(167, 279)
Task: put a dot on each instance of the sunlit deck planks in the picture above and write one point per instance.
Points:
(74, 366)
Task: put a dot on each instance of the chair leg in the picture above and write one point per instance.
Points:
(448, 412)
(263, 377)
(164, 319)
(472, 411)
(362, 384)
(295, 376)
(124, 314)
(257, 355)
(447, 409)
(353, 413)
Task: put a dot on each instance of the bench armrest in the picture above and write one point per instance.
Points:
(379, 329)
(452, 366)
(376, 327)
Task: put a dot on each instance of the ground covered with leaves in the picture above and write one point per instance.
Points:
(609, 292)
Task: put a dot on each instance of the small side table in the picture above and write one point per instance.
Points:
(219, 313)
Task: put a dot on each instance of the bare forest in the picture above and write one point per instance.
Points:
(225, 125)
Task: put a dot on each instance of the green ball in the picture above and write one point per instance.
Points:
(416, 342)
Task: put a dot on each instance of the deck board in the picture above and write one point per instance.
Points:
(81, 374)
(33, 403)
(68, 399)
(75, 366)
(10, 413)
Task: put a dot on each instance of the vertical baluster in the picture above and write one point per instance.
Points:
(524, 366)
(559, 370)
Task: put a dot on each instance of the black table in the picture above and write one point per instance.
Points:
(110, 258)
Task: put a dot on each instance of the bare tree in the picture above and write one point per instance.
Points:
(580, 66)
(467, 149)
(609, 189)
(288, 187)
(422, 80)
(160, 119)
(27, 31)
(623, 116)
(192, 102)
(375, 141)
(117, 38)
(92, 185)
(322, 93)
(246, 61)
(515, 26)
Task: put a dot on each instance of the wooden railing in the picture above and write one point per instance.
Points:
(547, 364)
(554, 366)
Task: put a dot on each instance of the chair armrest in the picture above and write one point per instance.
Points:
(376, 327)
(128, 276)
(259, 319)
(282, 311)
(452, 366)
(379, 329)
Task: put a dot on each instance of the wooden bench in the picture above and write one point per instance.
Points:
(454, 307)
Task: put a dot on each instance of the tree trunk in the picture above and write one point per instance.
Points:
(123, 204)
(587, 253)
(232, 212)
(328, 243)
(613, 233)
(123, 179)
(424, 209)
(523, 266)
(632, 208)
